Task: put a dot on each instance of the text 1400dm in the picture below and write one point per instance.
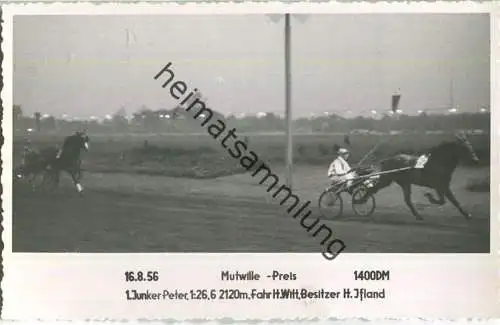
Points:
(372, 275)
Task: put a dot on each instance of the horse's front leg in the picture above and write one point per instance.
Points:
(76, 176)
(453, 200)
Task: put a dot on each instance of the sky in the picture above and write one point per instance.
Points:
(348, 64)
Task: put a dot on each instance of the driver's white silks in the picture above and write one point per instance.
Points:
(421, 161)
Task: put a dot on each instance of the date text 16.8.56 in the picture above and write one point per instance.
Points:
(139, 276)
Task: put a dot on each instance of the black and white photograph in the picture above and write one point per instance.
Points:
(251, 133)
(249, 161)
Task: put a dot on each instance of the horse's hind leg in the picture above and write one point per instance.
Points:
(453, 200)
(31, 181)
(52, 177)
(432, 200)
(407, 194)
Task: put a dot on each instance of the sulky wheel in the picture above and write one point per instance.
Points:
(330, 204)
(365, 208)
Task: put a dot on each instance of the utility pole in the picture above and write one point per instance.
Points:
(288, 104)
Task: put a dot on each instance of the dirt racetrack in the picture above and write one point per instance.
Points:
(138, 213)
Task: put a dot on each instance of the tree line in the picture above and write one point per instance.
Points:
(175, 120)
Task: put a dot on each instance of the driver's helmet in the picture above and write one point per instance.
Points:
(342, 151)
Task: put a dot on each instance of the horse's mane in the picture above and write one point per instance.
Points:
(443, 148)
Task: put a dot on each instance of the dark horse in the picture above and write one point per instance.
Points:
(68, 159)
(435, 174)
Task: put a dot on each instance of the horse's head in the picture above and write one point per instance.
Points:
(82, 140)
(464, 142)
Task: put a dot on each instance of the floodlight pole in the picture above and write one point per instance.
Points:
(288, 104)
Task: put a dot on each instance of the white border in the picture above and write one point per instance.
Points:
(449, 278)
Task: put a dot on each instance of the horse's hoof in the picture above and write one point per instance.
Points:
(468, 216)
(419, 218)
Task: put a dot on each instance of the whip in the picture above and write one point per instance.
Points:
(373, 150)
